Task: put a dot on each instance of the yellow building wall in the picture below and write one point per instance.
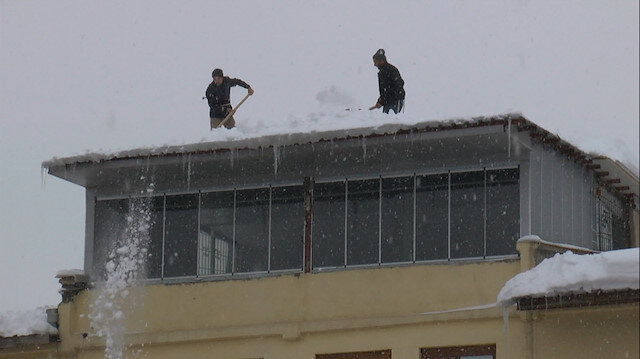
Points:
(588, 332)
(298, 316)
(402, 308)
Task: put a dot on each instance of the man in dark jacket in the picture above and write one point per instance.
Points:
(390, 83)
(218, 95)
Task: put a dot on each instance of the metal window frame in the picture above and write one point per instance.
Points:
(269, 230)
(379, 220)
(164, 219)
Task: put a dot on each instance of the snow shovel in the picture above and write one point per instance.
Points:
(231, 113)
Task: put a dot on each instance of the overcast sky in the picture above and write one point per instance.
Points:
(107, 75)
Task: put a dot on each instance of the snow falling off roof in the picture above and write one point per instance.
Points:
(571, 273)
(25, 322)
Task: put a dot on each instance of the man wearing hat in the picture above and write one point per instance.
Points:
(390, 83)
(218, 95)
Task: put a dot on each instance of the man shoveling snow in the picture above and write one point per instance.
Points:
(218, 95)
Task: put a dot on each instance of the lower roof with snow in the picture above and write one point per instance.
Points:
(569, 273)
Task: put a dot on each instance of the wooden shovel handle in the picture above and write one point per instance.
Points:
(230, 114)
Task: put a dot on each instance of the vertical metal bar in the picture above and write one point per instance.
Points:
(414, 217)
(449, 216)
(552, 199)
(530, 180)
(582, 239)
(198, 236)
(542, 190)
(573, 234)
(346, 203)
(269, 239)
(164, 218)
(233, 235)
(379, 220)
(562, 238)
(308, 234)
(484, 214)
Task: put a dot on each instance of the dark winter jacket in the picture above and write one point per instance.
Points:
(218, 96)
(390, 83)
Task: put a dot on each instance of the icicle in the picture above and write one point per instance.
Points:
(505, 327)
(231, 155)
(189, 172)
(43, 176)
(275, 159)
(364, 148)
(509, 136)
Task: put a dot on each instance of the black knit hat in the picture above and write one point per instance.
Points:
(379, 55)
(217, 72)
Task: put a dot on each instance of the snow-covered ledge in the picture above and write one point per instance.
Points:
(73, 281)
(533, 250)
(570, 271)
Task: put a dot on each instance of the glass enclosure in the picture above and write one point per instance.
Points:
(360, 222)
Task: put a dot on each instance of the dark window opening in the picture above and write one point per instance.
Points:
(328, 224)
(467, 214)
(287, 227)
(363, 199)
(432, 217)
(110, 227)
(252, 230)
(156, 225)
(181, 235)
(487, 351)
(503, 209)
(397, 220)
(215, 240)
(379, 354)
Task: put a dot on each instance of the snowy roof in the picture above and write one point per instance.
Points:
(572, 273)
(343, 126)
(25, 322)
(322, 129)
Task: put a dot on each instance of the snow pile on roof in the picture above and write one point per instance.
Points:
(25, 322)
(572, 273)
(317, 126)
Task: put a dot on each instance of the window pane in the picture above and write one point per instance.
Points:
(467, 214)
(110, 226)
(181, 235)
(328, 224)
(215, 240)
(397, 220)
(287, 227)
(154, 261)
(252, 230)
(362, 221)
(116, 222)
(432, 216)
(503, 211)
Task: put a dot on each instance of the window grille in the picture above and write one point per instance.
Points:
(612, 228)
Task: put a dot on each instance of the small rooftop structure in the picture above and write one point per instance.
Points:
(451, 190)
